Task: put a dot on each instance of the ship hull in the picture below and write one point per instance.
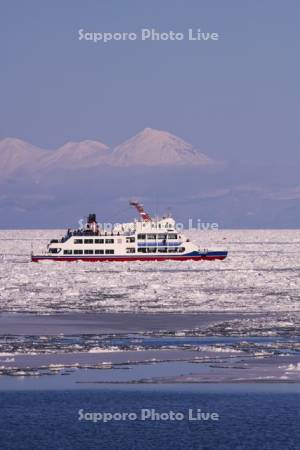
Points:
(209, 256)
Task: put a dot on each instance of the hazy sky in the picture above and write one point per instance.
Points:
(236, 99)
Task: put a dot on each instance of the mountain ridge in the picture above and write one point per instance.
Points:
(149, 147)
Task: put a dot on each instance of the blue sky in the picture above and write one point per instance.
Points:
(236, 99)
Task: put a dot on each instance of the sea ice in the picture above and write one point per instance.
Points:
(261, 274)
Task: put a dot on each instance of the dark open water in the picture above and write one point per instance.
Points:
(250, 421)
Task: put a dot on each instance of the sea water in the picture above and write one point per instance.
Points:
(249, 418)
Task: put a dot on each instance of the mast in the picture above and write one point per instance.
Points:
(140, 208)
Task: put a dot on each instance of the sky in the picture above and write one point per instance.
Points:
(236, 99)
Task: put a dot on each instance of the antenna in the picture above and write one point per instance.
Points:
(140, 208)
(168, 213)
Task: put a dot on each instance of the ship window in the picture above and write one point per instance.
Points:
(181, 249)
(130, 239)
(161, 236)
(88, 241)
(142, 250)
(67, 252)
(88, 252)
(130, 250)
(141, 236)
(99, 241)
(78, 252)
(99, 252)
(172, 236)
(163, 250)
(151, 236)
(54, 250)
(151, 250)
(109, 252)
(78, 241)
(109, 241)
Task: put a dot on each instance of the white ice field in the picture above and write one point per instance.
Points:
(261, 273)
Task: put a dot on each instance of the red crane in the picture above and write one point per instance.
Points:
(143, 214)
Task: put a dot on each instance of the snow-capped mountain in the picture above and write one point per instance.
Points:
(148, 148)
(157, 148)
(78, 155)
(16, 155)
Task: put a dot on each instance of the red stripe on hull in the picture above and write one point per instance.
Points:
(133, 258)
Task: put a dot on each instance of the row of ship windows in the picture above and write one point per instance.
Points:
(161, 250)
(128, 239)
(158, 225)
(157, 236)
(93, 241)
(88, 252)
(128, 250)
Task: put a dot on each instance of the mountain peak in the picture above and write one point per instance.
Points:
(76, 155)
(13, 144)
(153, 133)
(16, 154)
(84, 145)
(151, 147)
(11, 140)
